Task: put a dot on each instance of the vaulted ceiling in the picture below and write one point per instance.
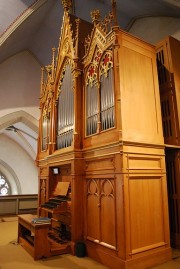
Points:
(34, 25)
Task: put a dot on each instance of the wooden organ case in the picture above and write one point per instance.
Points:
(168, 63)
(59, 156)
(101, 128)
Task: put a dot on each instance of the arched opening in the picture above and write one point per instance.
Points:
(9, 182)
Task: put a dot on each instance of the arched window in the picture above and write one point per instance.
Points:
(4, 186)
(65, 124)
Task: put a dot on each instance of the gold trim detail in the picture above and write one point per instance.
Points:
(95, 15)
(67, 4)
(67, 62)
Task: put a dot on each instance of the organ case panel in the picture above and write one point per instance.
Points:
(169, 77)
(123, 119)
(101, 212)
(168, 64)
(60, 134)
(105, 114)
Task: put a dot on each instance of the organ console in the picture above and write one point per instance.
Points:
(60, 201)
(101, 126)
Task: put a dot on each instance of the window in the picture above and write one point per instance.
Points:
(4, 186)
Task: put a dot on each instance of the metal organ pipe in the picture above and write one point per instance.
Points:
(91, 109)
(66, 111)
(107, 100)
(106, 104)
(100, 109)
(44, 133)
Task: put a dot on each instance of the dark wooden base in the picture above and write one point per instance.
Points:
(143, 260)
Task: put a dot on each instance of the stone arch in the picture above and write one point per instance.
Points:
(19, 116)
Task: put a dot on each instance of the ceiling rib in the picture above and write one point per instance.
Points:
(20, 19)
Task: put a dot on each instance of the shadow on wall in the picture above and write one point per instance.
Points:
(18, 152)
(23, 129)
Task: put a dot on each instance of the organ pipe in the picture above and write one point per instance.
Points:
(66, 111)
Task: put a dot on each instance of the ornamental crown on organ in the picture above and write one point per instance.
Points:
(98, 77)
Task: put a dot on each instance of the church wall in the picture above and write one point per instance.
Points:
(154, 29)
(20, 82)
(21, 163)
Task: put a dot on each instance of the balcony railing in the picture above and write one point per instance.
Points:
(18, 204)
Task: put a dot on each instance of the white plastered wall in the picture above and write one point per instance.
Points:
(21, 164)
(154, 29)
(19, 90)
(20, 84)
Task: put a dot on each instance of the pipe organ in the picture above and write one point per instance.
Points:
(65, 99)
(100, 93)
(101, 126)
(168, 64)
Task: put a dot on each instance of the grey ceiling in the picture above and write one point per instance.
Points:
(40, 31)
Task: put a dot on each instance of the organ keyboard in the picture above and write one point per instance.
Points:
(57, 204)
(61, 200)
